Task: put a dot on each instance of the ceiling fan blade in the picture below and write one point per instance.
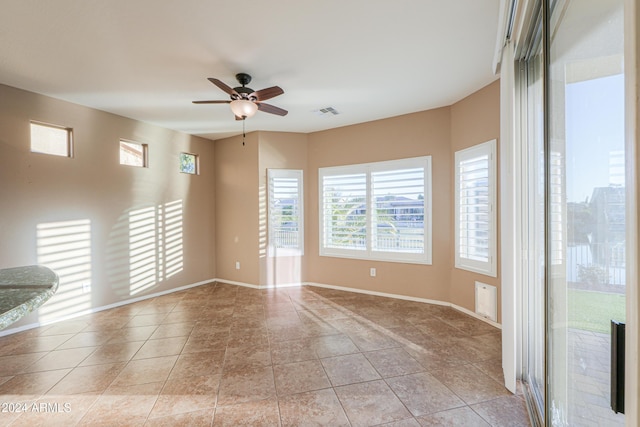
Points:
(268, 93)
(223, 86)
(211, 102)
(268, 108)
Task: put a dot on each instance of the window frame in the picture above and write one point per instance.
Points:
(196, 161)
(145, 153)
(490, 267)
(69, 142)
(425, 257)
(297, 174)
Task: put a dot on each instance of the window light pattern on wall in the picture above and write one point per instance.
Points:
(286, 213)
(51, 139)
(475, 213)
(378, 211)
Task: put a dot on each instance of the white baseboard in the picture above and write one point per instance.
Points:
(407, 298)
(102, 308)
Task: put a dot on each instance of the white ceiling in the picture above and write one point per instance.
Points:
(148, 59)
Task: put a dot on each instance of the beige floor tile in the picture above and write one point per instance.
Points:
(186, 394)
(470, 384)
(145, 371)
(25, 386)
(191, 419)
(260, 413)
(111, 353)
(60, 359)
(463, 416)
(393, 362)
(161, 347)
(423, 394)
(371, 403)
(333, 345)
(292, 351)
(198, 364)
(314, 408)
(300, 377)
(246, 385)
(507, 411)
(85, 379)
(349, 369)
(138, 333)
(16, 364)
(170, 330)
(121, 405)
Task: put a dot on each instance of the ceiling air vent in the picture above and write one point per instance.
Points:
(327, 111)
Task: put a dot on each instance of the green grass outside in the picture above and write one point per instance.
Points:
(593, 311)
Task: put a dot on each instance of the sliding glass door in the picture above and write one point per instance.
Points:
(572, 207)
(585, 207)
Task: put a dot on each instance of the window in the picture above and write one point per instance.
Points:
(189, 163)
(378, 211)
(51, 139)
(286, 214)
(475, 197)
(133, 154)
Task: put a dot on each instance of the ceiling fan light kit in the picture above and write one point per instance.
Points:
(243, 108)
(244, 101)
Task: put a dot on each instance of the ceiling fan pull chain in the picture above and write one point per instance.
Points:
(243, 134)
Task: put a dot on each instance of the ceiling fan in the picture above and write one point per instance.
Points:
(245, 101)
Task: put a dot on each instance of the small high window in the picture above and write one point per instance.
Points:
(51, 139)
(133, 154)
(189, 163)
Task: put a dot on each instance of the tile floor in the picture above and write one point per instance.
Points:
(224, 355)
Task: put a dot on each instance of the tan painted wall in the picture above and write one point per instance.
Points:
(474, 120)
(237, 209)
(418, 134)
(111, 201)
(279, 150)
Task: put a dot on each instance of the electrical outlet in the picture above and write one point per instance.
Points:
(372, 272)
(86, 287)
(237, 265)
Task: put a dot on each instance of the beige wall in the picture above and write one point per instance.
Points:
(426, 133)
(237, 212)
(474, 120)
(107, 202)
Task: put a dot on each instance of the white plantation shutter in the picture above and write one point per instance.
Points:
(286, 217)
(398, 217)
(377, 211)
(344, 201)
(475, 196)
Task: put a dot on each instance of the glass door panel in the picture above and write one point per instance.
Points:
(585, 209)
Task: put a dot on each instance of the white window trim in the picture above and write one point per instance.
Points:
(487, 268)
(286, 173)
(368, 253)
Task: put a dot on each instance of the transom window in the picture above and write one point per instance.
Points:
(378, 211)
(51, 139)
(133, 154)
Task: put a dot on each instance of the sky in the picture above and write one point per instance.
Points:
(594, 134)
